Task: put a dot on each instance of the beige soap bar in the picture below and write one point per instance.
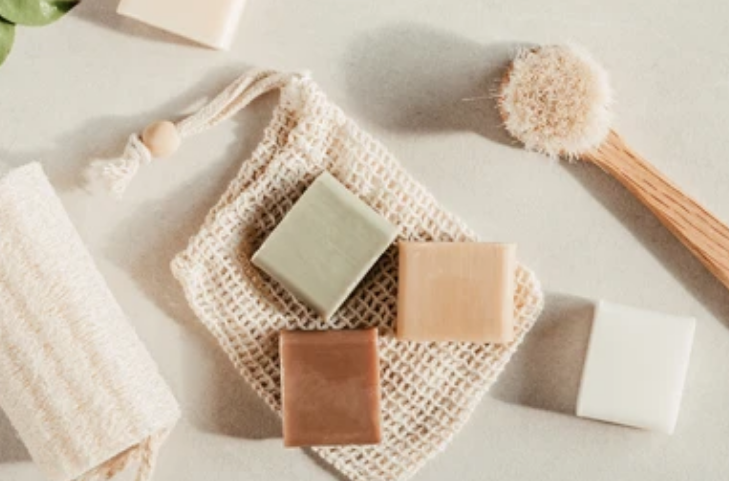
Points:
(456, 292)
(209, 22)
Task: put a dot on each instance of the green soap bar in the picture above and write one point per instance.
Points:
(325, 245)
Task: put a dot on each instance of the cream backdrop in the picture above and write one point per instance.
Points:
(75, 90)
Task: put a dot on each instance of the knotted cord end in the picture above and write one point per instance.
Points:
(163, 138)
(116, 174)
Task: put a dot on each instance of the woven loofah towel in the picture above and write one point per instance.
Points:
(75, 381)
(428, 390)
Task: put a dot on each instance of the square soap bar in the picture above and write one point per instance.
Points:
(330, 388)
(325, 245)
(456, 292)
(209, 22)
(635, 367)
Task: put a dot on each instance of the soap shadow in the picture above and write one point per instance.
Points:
(104, 137)
(12, 449)
(219, 399)
(546, 371)
(103, 13)
(319, 461)
(646, 228)
(145, 245)
(413, 78)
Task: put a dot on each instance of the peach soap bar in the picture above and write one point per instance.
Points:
(456, 292)
(635, 367)
(325, 245)
(209, 22)
(330, 388)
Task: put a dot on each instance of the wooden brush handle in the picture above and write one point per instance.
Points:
(700, 231)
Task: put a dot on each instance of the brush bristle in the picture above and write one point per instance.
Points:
(556, 100)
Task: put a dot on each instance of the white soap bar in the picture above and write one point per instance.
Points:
(210, 22)
(635, 367)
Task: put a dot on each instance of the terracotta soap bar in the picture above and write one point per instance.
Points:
(330, 388)
(209, 22)
(325, 245)
(456, 292)
(635, 367)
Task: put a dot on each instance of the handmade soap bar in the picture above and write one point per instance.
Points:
(210, 22)
(456, 292)
(330, 388)
(325, 245)
(635, 367)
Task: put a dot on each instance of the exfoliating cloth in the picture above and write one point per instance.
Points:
(76, 382)
(428, 389)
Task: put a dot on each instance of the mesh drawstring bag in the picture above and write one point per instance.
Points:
(428, 389)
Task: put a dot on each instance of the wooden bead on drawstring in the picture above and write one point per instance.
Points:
(161, 138)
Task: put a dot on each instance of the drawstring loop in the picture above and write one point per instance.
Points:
(160, 139)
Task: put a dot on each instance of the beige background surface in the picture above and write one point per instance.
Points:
(75, 90)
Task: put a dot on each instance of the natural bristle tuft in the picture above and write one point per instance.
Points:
(556, 100)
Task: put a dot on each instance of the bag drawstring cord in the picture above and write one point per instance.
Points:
(163, 138)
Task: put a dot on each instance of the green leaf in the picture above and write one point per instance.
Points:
(7, 37)
(35, 13)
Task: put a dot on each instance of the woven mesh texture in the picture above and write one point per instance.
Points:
(428, 389)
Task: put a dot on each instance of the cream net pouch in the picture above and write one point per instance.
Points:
(428, 389)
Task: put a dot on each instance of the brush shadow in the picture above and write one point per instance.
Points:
(646, 228)
(222, 402)
(105, 137)
(416, 79)
(546, 371)
(12, 449)
(103, 13)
